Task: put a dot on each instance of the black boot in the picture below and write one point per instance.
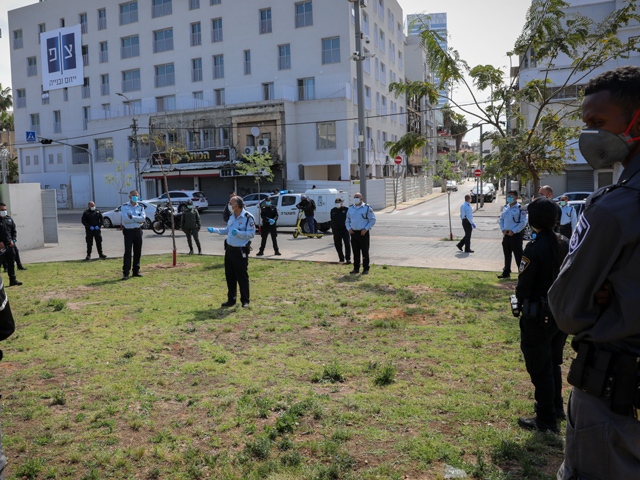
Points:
(260, 253)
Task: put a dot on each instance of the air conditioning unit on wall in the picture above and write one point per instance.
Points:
(249, 150)
(262, 150)
(263, 142)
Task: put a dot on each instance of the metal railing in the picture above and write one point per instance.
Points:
(165, 80)
(196, 75)
(21, 102)
(84, 27)
(102, 23)
(18, 43)
(86, 91)
(196, 39)
(85, 123)
(193, 4)
(163, 45)
(128, 17)
(104, 89)
(35, 128)
(131, 85)
(57, 127)
(32, 70)
(103, 154)
(104, 56)
(130, 51)
(85, 60)
(161, 10)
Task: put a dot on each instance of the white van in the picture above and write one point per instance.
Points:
(286, 203)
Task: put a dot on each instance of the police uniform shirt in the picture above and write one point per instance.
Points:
(604, 250)
(360, 217)
(466, 212)
(244, 224)
(538, 268)
(8, 231)
(568, 215)
(339, 218)
(92, 218)
(268, 212)
(137, 215)
(513, 218)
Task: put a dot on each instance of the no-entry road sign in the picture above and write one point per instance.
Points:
(477, 172)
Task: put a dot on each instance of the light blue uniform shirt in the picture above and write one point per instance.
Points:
(513, 218)
(569, 215)
(245, 225)
(360, 217)
(466, 212)
(137, 215)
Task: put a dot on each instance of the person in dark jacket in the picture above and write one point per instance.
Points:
(191, 226)
(226, 214)
(308, 206)
(340, 232)
(541, 341)
(8, 237)
(269, 216)
(7, 327)
(92, 221)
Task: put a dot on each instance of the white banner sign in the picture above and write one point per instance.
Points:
(61, 54)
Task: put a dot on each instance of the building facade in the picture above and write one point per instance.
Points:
(211, 64)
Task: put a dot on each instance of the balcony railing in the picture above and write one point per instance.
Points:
(18, 43)
(57, 127)
(144, 151)
(131, 85)
(193, 4)
(130, 51)
(163, 45)
(32, 70)
(85, 60)
(196, 39)
(103, 154)
(45, 99)
(104, 89)
(86, 91)
(85, 123)
(35, 128)
(165, 80)
(196, 75)
(104, 56)
(80, 158)
(216, 35)
(21, 102)
(161, 10)
(102, 23)
(84, 27)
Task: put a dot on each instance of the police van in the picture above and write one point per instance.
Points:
(286, 201)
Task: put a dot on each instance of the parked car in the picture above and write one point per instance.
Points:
(180, 198)
(113, 218)
(578, 205)
(452, 185)
(254, 199)
(573, 196)
(487, 191)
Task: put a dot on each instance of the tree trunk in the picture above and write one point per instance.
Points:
(173, 230)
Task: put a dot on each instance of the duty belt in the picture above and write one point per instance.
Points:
(607, 375)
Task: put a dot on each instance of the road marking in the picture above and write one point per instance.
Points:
(442, 214)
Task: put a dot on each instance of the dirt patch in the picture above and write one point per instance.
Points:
(418, 289)
(164, 266)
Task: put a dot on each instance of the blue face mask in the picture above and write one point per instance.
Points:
(510, 199)
(267, 203)
(134, 199)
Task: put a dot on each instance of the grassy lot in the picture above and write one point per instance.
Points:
(327, 376)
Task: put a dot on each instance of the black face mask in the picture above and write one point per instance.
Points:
(602, 149)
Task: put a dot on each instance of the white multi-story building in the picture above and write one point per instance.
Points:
(206, 62)
(578, 176)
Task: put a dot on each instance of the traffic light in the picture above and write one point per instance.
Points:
(46, 141)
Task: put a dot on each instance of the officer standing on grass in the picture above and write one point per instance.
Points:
(340, 231)
(7, 327)
(133, 217)
(8, 237)
(466, 214)
(541, 342)
(269, 215)
(360, 220)
(512, 222)
(92, 221)
(190, 223)
(596, 296)
(241, 228)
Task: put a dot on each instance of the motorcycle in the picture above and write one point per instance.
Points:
(162, 220)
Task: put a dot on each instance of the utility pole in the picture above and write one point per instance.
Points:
(134, 135)
(359, 58)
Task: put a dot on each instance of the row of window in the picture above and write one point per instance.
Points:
(303, 15)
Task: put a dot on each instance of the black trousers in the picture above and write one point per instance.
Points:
(16, 258)
(466, 240)
(542, 349)
(511, 245)
(342, 237)
(192, 231)
(90, 236)
(360, 244)
(264, 233)
(236, 271)
(9, 263)
(132, 240)
(565, 230)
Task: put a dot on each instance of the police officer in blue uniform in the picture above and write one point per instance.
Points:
(360, 220)
(512, 222)
(240, 229)
(133, 217)
(596, 297)
(568, 217)
(466, 214)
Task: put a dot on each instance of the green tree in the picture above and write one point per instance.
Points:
(257, 165)
(6, 121)
(121, 179)
(540, 142)
(6, 100)
(456, 124)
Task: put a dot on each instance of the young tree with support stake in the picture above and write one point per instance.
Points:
(166, 155)
(541, 144)
(259, 166)
(120, 179)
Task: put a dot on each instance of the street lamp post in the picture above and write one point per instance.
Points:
(134, 136)
(359, 57)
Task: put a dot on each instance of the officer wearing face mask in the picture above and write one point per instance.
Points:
(340, 231)
(133, 217)
(568, 217)
(92, 221)
(512, 221)
(269, 216)
(360, 220)
(8, 236)
(596, 296)
(190, 223)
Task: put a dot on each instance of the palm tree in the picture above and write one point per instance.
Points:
(6, 121)
(456, 124)
(6, 101)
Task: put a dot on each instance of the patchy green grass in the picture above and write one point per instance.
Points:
(326, 376)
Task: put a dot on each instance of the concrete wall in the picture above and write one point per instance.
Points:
(24, 204)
